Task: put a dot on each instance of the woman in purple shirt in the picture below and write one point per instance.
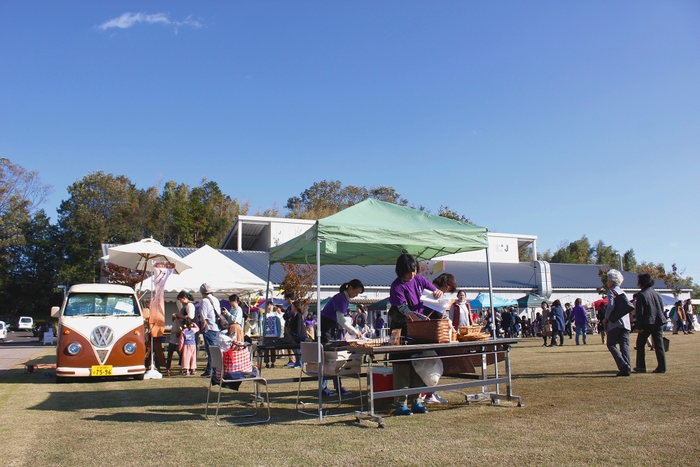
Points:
(333, 322)
(405, 295)
(334, 314)
(580, 319)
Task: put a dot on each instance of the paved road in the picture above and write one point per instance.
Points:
(18, 348)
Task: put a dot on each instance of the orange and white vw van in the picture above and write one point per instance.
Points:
(100, 333)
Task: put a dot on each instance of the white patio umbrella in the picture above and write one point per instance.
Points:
(140, 256)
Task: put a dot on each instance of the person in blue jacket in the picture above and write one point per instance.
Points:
(557, 318)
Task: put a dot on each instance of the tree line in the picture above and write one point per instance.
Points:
(36, 256)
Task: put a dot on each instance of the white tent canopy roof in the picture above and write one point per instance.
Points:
(210, 266)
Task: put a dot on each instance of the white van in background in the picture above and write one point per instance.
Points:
(25, 323)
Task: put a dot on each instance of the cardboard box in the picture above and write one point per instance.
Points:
(338, 364)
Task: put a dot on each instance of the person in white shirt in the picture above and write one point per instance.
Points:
(209, 309)
(460, 312)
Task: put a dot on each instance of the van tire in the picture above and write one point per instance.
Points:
(61, 379)
(138, 377)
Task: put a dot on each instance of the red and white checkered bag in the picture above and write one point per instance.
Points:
(237, 358)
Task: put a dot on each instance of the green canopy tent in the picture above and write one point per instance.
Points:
(382, 304)
(531, 301)
(376, 232)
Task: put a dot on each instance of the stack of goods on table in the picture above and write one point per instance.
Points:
(369, 342)
(472, 333)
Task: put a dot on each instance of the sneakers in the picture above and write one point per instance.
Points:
(328, 393)
(204, 375)
(192, 373)
(344, 391)
(403, 410)
(418, 408)
(435, 399)
(289, 365)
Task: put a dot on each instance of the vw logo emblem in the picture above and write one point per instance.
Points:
(102, 336)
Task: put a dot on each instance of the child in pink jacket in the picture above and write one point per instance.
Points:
(188, 346)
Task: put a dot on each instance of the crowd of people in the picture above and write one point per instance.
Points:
(225, 324)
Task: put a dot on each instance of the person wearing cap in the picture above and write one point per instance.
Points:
(618, 331)
(649, 309)
(209, 309)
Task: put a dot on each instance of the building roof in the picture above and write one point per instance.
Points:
(468, 274)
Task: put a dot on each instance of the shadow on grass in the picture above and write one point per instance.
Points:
(64, 401)
(148, 417)
(578, 374)
(47, 375)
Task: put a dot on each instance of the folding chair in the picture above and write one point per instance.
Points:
(311, 362)
(217, 362)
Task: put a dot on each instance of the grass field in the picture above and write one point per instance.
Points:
(576, 413)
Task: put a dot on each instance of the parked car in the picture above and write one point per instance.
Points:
(3, 331)
(25, 323)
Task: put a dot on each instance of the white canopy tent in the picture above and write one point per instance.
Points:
(208, 265)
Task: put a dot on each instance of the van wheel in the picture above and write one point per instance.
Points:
(138, 377)
(61, 379)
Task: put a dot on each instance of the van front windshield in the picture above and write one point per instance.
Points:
(93, 304)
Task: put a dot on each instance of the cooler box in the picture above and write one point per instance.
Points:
(383, 379)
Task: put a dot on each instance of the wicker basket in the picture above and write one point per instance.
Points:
(474, 337)
(429, 331)
(473, 329)
(372, 342)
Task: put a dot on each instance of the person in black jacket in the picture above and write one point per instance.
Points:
(297, 329)
(649, 310)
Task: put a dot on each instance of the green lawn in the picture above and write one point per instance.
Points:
(576, 413)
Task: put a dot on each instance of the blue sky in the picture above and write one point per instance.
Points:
(555, 119)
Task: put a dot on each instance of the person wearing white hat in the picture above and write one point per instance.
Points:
(209, 309)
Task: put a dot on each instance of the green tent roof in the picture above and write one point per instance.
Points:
(376, 232)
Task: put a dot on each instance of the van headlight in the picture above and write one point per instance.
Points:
(73, 348)
(129, 348)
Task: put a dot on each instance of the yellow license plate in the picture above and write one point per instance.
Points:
(101, 370)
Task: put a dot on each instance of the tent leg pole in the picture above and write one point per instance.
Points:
(263, 316)
(493, 316)
(318, 330)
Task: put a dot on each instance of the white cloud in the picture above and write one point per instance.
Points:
(129, 19)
